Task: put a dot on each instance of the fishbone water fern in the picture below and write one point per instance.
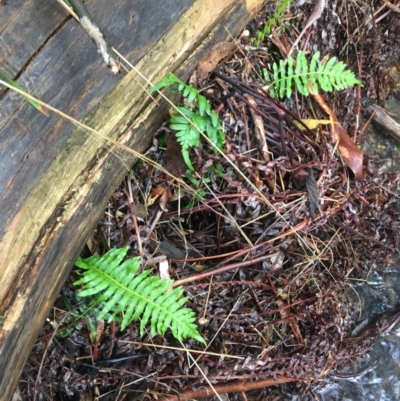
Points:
(191, 121)
(121, 290)
(329, 75)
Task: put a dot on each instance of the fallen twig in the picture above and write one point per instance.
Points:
(96, 35)
(230, 387)
(381, 117)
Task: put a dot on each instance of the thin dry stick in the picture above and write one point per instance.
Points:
(227, 214)
(239, 300)
(207, 299)
(64, 5)
(44, 356)
(133, 215)
(180, 349)
(392, 7)
(219, 270)
(211, 387)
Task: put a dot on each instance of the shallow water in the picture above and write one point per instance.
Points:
(376, 375)
(382, 382)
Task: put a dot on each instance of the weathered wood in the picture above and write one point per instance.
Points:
(382, 119)
(25, 17)
(55, 177)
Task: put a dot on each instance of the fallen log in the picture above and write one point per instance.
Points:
(381, 118)
(55, 177)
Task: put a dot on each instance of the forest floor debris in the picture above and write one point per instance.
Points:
(268, 250)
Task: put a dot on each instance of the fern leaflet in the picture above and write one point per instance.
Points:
(329, 75)
(120, 289)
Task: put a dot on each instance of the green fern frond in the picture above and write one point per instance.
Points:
(120, 290)
(330, 75)
(271, 22)
(192, 121)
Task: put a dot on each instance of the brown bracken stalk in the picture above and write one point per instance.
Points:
(223, 269)
(230, 387)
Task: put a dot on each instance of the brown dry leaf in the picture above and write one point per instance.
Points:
(154, 195)
(277, 260)
(352, 156)
(174, 162)
(259, 130)
(164, 199)
(99, 329)
(93, 244)
(210, 60)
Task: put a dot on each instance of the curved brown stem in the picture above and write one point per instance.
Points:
(229, 387)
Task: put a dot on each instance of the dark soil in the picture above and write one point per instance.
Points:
(267, 258)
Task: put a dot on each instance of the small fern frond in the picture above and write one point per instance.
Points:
(168, 80)
(271, 22)
(330, 75)
(121, 290)
(194, 120)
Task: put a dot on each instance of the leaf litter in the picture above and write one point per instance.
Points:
(279, 231)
